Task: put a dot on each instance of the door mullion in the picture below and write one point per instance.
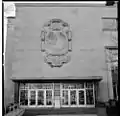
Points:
(44, 97)
(94, 93)
(36, 97)
(69, 97)
(28, 97)
(85, 97)
(77, 97)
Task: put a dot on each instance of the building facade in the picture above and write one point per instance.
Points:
(57, 55)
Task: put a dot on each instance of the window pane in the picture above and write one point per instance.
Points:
(65, 86)
(40, 97)
(73, 97)
(48, 97)
(80, 85)
(47, 86)
(89, 85)
(81, 97)
(89, 97)
(22, 86)
(24, 97)
(72, 86)
(32, 97)
(65, 97)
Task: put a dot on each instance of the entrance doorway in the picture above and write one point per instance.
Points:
(57, 95)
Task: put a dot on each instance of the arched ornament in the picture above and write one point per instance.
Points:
(56, 42)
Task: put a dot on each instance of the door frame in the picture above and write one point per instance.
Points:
(61, 97)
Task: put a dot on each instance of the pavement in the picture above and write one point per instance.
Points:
(71, 115)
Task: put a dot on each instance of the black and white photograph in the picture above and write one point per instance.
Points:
(60, 58)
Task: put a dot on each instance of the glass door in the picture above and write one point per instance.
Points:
(65, 98)
(73, 98)
(49, 98)
(81, 98)
(40, 98)
(32, 98)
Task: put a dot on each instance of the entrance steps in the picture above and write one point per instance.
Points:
(61, 111)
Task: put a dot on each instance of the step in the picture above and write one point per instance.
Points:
(61, 111)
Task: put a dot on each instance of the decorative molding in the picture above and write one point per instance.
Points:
(9, 9)
(56, 42)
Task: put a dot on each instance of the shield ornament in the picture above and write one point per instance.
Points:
(56, 38)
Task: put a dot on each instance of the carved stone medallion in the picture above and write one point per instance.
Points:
(56, 42)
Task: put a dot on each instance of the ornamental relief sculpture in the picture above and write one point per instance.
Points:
(56, 43)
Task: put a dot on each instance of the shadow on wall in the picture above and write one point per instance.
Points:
(8, 92)
(103, 92)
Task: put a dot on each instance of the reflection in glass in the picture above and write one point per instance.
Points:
(81, 97)
(40, 97)
(48, 97)
(73, 99)
(65, 97)
(89, 97)
(32, 97)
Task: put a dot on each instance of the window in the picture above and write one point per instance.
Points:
(109, 23)
(89, 93)
(78, 94)
(23, 97)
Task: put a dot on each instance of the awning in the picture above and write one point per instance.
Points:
(73, 78)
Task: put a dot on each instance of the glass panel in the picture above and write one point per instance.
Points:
(47, 86)
(73, 97)
(89, 97)
(40, 97)
(32, 97)
(80, 85)
(48, 97)
(65, 97)
(23, 86)
(56, 92)
(24, 97)
(89, 85)
(72, 86)
(41, 86)
(65, 86)
(81, 97)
